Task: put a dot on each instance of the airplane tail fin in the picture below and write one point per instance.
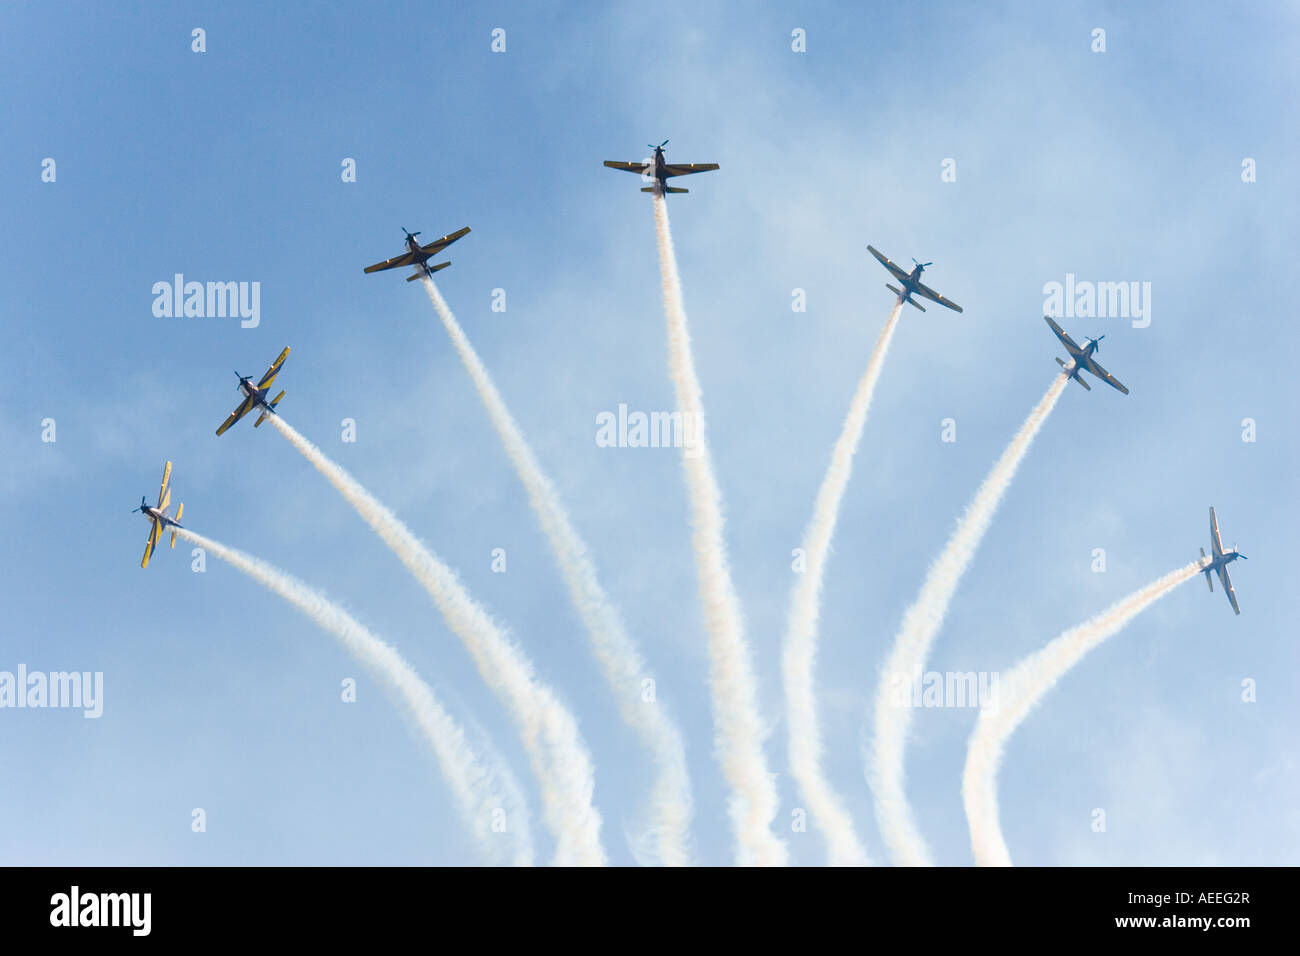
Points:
(269, 409)
(675, 189)
(428, 270)
(1073, 373)
(909, 300)
(180, 510)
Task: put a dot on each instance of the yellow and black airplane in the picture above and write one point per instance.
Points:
(418, 255)
(660, 170)
(158, 517)
(255, 395)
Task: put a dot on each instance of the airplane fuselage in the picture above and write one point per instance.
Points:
(252, 391)
(419, 256)
(661, 169)
(910, 283)
(1218, 562)
(153, 514)
(1079, 359)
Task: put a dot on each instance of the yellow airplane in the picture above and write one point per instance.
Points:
(660, 170)
(158, 516)
(418, 255)
(255, 395)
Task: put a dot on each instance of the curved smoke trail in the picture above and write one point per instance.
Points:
(800, 652)
(550, 734)
(906, 662)
(739, 732)
(1019, 691)
(617, 653)
(478, 791)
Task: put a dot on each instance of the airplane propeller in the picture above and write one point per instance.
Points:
(923, 265)
(144, 506)
(660, 146)
(409, 235)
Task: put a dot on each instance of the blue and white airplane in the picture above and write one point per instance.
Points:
(1218, 563)
(911, 282)
(1081, 359)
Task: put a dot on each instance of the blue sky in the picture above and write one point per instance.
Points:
(225, 165)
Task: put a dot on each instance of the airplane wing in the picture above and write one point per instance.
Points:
(244, 408)
(685, 169)
(898, 272)
(274, 370)
(1216, 542)
(1229, 589)
(444, 242)
(164, 491)
(403, 260)
(154, 534)
(931, 294)
(629, 167)
(1068, 342)
(1105, 376)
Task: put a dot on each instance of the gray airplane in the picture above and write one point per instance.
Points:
(911, 282)
(1219, 561)
(1081, 359)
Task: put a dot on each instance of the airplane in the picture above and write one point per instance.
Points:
(1219, 561)
(1082, 358)
(158, 518)
(255, 395)
(418, 255)
(662, 171)
(911, 282)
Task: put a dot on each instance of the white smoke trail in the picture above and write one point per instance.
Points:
(477, 790)
(738, 731)
(906, 662)
(1019, 691)
(550, 734)
(800, 652)
(620, 660)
